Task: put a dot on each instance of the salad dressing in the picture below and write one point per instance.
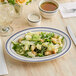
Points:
(34, 17)
(48, 6)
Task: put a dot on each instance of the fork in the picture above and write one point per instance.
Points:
(70, 10)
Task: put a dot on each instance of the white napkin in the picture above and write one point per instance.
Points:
(3, 68)
(67, 6)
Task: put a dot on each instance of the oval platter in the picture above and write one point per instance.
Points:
(16, 36)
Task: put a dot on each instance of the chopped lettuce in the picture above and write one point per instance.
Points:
(59, 49)
(35, 37)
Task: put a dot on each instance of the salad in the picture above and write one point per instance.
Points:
(38, 44)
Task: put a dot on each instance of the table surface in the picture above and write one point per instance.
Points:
(63, 66)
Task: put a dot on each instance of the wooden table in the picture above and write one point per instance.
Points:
(63, 66)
